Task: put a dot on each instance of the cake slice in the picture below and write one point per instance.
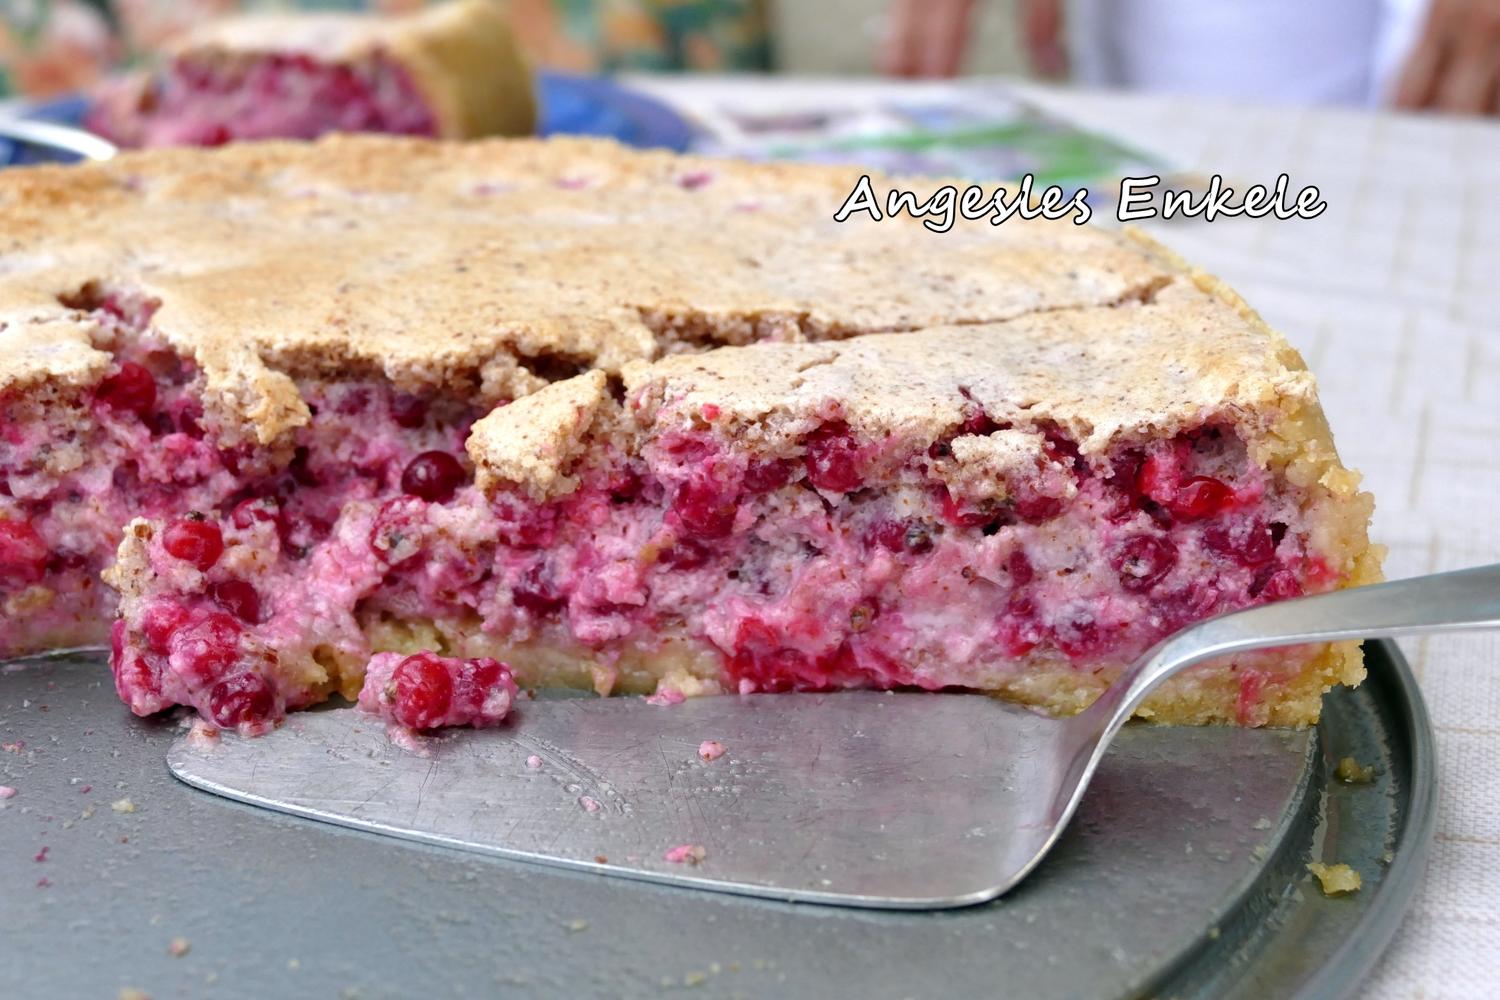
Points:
(1018, 507)
(632, 422)
(452, 71)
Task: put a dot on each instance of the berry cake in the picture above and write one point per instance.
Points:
(557, 413)
(452, 71)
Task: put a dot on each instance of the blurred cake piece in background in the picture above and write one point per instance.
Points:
(452, 71)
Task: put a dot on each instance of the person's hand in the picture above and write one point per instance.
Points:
(1042, 34)
(1456, 63)
(925, 38)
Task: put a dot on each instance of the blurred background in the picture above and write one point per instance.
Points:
(1437, 54)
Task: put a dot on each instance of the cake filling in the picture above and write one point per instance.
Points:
(199, 101)
(75, 470)
(679, 560)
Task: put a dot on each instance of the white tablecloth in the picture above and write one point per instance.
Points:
(1393, 296)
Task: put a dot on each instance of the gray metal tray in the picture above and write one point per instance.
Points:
(1161, 887)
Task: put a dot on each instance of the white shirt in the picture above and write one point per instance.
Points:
(1303, 51)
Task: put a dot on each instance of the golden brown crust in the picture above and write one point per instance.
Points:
(1209, 694)
(462, 57)
(443, 264)
(1106, 375)
(540, 436)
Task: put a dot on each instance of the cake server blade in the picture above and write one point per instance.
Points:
(858, 798)
(899, 801)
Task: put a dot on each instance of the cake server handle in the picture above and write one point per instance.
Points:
(1463, 600)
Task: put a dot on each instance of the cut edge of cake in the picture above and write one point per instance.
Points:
(893, 396)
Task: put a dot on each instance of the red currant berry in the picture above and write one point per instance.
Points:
(408, 411)
(833, 461)
(705, 509)
(23, 554)
(1142, 561)
(238, 597)
(194, 540)
(423, 691)
(160, 622)
(131, 389)
(244, 699)
(433, 476)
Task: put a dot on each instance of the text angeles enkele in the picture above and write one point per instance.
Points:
(1138, 200)
(974, 203)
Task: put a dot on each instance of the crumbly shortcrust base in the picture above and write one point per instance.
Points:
(1210, 693)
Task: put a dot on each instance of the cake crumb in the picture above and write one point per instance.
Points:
(1261, 824)
(666, 696)
(202, 735)
(604, 679)
(179, 947)
(1351, 772)
(132, 993)
(7, 792)
(122, 806)
(574, 926)
(589, 803)
(692, 854)
(1213, 934)
(534, 762)
(710, 750)
(1335, 879)
(694, 978)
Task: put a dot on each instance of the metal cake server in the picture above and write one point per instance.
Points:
(892, 801)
